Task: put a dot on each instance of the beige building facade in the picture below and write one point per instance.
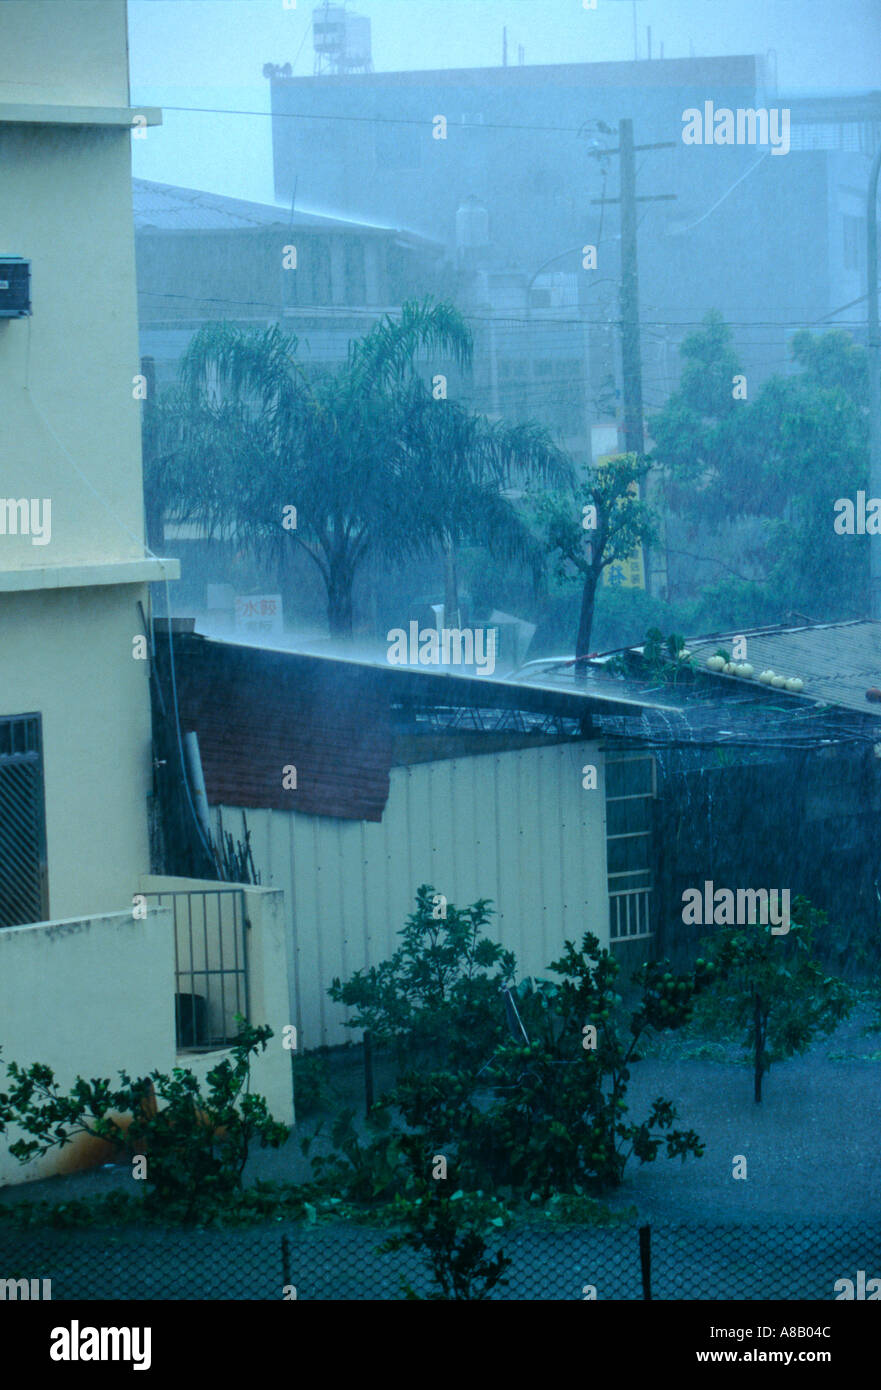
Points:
(88, 985)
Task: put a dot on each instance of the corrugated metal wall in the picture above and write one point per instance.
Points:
(516, 827)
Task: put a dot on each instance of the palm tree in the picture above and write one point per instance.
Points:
(375, 465)
(268, 436)
(473, 468)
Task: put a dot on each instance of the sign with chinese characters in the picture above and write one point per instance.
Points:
(259, 614)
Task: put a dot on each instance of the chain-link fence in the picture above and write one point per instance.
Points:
(802, 1260)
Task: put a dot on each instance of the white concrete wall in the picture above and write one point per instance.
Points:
(516, 827)
(71, 422)
(89, 998)
(269, 994)
(71, 433)
(64, 51)
(67, 654)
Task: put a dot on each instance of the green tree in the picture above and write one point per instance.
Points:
(773, 990)
(783, 456)
(603, 520)
(195, 1144)
(451, 1232)
(270, 435)
(547, 1112)
(476, 468)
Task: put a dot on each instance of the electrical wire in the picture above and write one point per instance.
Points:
(373, 120)
(514, 320)
(680, 231)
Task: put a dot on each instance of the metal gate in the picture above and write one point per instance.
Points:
(211, 964)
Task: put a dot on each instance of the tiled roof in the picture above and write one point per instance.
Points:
(838, 662)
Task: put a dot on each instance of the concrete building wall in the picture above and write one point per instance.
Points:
(89, 998)
(518, 138)
(71, 420)
(744, 235)
(70, 444)
(269, 997)
(516, 827)
(67, 655)
(95, 996)
(56, 52)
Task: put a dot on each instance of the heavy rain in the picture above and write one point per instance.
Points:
(440, 661)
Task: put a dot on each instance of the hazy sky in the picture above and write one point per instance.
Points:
(210, 53)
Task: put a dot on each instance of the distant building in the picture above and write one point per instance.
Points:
(202, 257)
(772, 242)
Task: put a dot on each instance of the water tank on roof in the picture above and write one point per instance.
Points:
(341, 40)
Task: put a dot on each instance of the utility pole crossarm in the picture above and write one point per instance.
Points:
(643, 198)
(660, 145)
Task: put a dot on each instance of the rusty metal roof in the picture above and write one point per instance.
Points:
(257, 713)
(258, 710)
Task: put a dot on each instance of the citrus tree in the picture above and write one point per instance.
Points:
(772, 990)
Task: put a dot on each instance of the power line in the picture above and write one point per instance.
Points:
(514, 320)
(376, 120)
(681, 230)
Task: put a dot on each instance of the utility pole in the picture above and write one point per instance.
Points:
(631, 354)
(874, 369)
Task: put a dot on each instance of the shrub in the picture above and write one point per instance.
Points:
(451, 1232)
(439, 992)
(368, 1170)
(311, 1082)
(544, 1110)
(196, 1146)
(549, 1114)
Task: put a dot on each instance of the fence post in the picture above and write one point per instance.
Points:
(286, 1279)
(645, 1260)
(368, 1072)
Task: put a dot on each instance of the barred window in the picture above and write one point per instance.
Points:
(23, 871)
(630, 787)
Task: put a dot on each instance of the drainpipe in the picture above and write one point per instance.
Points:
(197, 782)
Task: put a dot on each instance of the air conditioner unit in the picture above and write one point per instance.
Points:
(15, 287)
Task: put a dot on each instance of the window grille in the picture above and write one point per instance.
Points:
(23, 871)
